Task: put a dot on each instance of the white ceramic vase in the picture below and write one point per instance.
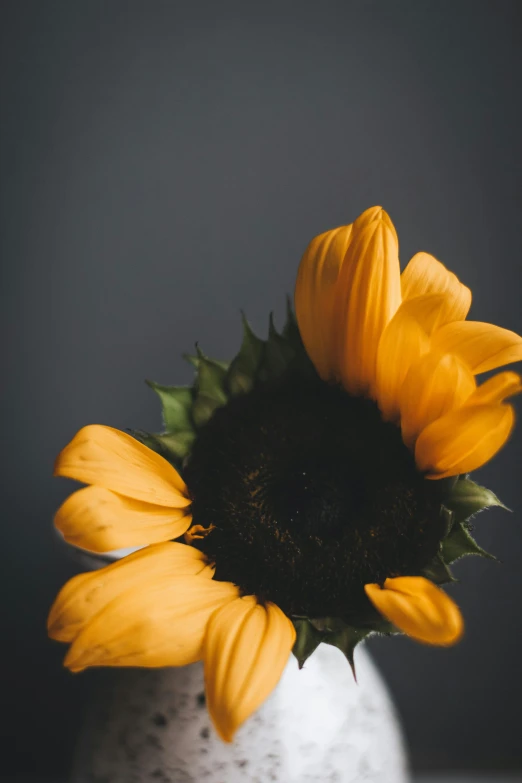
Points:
(317, 726)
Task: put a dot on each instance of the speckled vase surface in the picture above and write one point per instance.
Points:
(317, 726)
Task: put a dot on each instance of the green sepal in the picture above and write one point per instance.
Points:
(241, 374)
(196, 359)
(301, 362)
(290, 329)
(467, 498)
(210, 389)
(460, 543)
(330, 630)
(346, 640)
(338, 633)
(277, 356)
(307, 640)
(176, 403)
(448, 520)
(258, 361)
(438, 571)
(327, 624)
(174, 446)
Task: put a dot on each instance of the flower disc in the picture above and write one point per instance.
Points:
(311, 496)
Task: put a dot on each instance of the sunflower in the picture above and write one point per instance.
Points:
(315, 489)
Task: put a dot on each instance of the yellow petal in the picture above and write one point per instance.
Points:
(496, 389)
(463, 440)
(419, 609)
(435, 384)
(112, 459)
(430, 310)
(246, 649)
(482, 346)
(160, 623)
(100, 520)
(367, 296)
(86, 594)
(373, 214)
(404, 340)
(425, 275)
(314, 296)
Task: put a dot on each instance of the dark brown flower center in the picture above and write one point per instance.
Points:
(312, 496)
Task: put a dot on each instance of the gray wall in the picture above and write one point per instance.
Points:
(163, 164)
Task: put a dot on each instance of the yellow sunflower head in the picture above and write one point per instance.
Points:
(314, 489)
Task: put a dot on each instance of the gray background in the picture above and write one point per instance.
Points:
(163, 165)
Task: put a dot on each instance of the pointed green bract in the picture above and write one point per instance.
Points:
(290, 329)
(177, 443)
(330, 630)
(467, 498)
(278, 355)
(173, 446)
(243, 368)
(210, 389)
(328, 624)
(448, 518)
(211, 376)
(176, 403)
(187, 409)
(307, 640)
(438, 571)
(196, 359)
(204, 407)
(460, 543)
(346, 640)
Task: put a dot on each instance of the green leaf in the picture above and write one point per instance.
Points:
(307, 640)
(460, 543)
(176, 403)
(243, 368)
(467, 498)
(346, 641)
(438, 571)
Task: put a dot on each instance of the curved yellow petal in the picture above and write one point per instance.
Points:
(373, 214)
(404, 340)
(435, 384)
(246, 649)
(86, 594)
(425, 275)
(367, 296)
(496, 389)
(482, 346)
(463, 440)
(160, 623)
(419, 609)
(112, 459)
(314, 296)
(100, 520)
